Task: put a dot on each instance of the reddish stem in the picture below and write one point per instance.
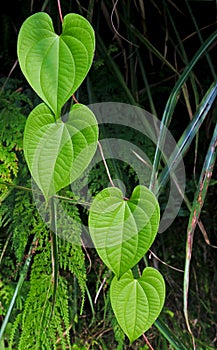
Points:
(60, 11)
(75, 99)
(147, 342)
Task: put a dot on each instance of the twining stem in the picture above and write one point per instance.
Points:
(9, 74)
(16, 186)
(75, 99)
(22, 188)
(105, 164)
(147, 342)
(60, 11)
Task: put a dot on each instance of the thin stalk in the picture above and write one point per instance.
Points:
(16, 186)
(90, 10)
(75, 302)
(103, 132)
(54, 249)
(132, 59)
(147, 87)
(45, 3)
(185, 60)
(22, 188)
(60, 11)
(91, 306)
(119, 77)
(212, 69)
(152, 48)
(147, 342)
(11, 71)
(115, 70)
(105, 165)
(5, 195)
(18, 288)
(5, 246)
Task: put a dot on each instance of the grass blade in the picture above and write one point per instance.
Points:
(17, 289)
(189, 134)
(199, 198)
(166, 332)
(171, 103)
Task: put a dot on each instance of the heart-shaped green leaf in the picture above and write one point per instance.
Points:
(137, 303)
(54, 65)
(123, 230)
(58, 152)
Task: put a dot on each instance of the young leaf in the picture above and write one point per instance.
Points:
(54, 65)
(58, 152)
(123, 230)
(137, 303)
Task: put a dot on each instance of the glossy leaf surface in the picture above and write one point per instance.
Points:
(55, 65)
(58, 152)
(137, 303)
(123, 230)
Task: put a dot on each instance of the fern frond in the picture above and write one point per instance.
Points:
(37, 329)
